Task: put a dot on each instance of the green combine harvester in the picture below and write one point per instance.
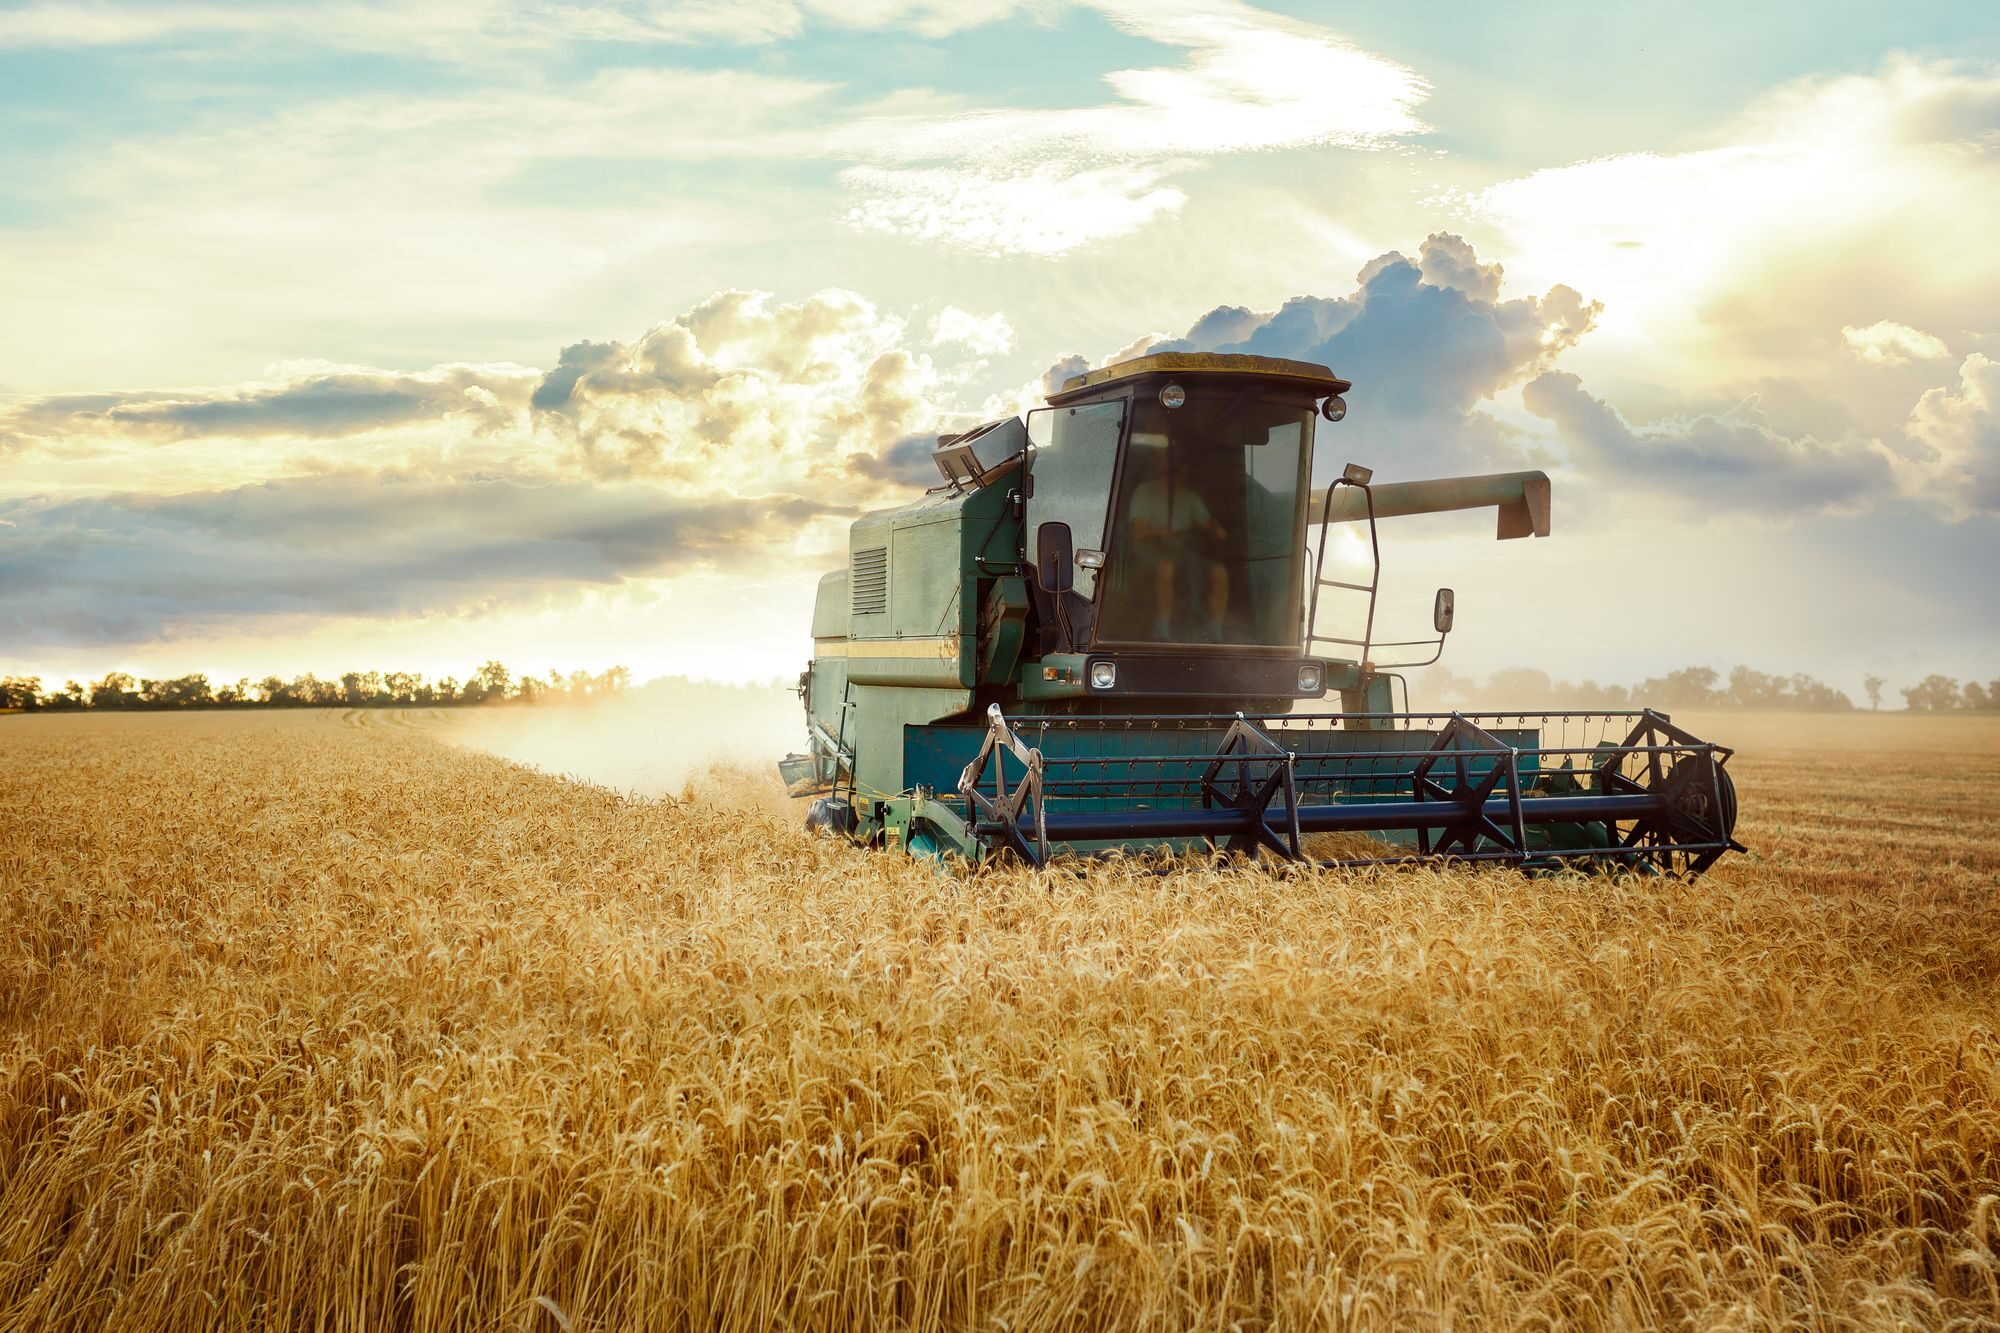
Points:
(1103, 632)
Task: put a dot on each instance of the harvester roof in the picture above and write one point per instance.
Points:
(1306, 375)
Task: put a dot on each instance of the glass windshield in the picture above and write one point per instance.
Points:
(1205, 541)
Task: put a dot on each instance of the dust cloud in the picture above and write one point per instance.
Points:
(660, 739)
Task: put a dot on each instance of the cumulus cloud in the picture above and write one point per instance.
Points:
(742, 428)
(1138, 347)
(1425, 341)
(1028, 395)
(1724, 460)
(1430, 343)
(1058, 373)
(1957, 434)
(1887, 343)
(130, 568)
(1448, 261)
(742, 390)
(739, 394)
(906, 464)
(1043, 181)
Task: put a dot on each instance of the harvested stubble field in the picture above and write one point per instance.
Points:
(306, 1024)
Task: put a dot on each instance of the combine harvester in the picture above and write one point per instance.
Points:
(1111, 639)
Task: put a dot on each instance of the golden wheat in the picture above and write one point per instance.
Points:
(320, 1026)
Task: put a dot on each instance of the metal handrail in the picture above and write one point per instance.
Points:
(1374, 585)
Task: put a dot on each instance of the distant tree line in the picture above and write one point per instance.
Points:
(1689, 687)
(1705, 687)
(1942, 694)
(491, 684)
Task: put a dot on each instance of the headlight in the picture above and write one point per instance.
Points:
(1173, 396)
(1309, 678)
(1334, 408)
(1103, 675)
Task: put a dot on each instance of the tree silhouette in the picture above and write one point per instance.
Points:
(116, 690)
(1932, 694)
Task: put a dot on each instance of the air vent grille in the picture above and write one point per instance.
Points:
(871, 581)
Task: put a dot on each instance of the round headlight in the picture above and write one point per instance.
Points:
(1309, 678)
(1103, 675)
(1334, 408)
(1173, 396)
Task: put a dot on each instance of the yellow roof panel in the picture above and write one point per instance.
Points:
(1304, 373)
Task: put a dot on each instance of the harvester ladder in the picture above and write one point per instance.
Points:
(842, 756)
(1320, 580)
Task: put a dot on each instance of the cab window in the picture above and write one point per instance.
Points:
(1205, 544)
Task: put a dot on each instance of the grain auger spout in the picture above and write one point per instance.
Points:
(1522, 499)
(1116, 625)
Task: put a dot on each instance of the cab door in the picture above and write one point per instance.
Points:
(1070, 481)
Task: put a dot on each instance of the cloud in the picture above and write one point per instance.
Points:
(1047, 210)
(1042, 181)
(1430, 345)
(982, 335)
(734, 436)
(476, 27)
(1957, 434)
(743, 392)
(396, 204)
(1138, 347)
(740, 432)
(1726, 460)
(1448, 261)
(311, 403)
(1253, 81)
(907, 463)
(132, 567)
(1887, 343)
(1844, 195)
(1847, 195)
(287, 214)
(1425, 341)
(1060, 372)
(572, 364)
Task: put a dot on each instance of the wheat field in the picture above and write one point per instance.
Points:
(315, 1022)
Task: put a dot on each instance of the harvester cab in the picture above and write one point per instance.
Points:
(1111, 627)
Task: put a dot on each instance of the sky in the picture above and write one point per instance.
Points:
(386, 335)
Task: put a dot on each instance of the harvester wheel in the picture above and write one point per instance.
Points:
(830, 815)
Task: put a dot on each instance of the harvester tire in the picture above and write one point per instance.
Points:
(831, 815)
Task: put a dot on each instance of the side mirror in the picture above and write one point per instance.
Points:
(1441, 611)
(1055, 567)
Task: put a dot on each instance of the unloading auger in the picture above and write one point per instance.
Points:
(1102, 631)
